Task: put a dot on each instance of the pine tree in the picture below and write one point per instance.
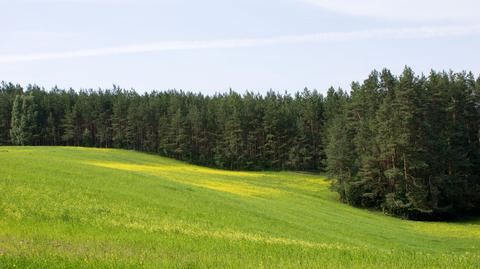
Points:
(233, 142)
(387, 137)
(365, 100)
(51, 129)
(177, 136)
(24, 120)
(133, 132)
(194, 130)
(119, 120)
(71, 127)
(17, 128)
(271, 133)
(8, 93)
(253, 130)
(340, 150)
(341, 158)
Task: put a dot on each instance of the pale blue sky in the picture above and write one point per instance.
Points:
(212, 46)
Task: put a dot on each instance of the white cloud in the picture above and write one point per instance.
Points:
(388, 33)
(414, 10)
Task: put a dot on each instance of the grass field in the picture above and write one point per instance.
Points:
(63, 207)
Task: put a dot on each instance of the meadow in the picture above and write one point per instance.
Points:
(66, 207)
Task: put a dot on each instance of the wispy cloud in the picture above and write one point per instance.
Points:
(383, 34)
(411, 10)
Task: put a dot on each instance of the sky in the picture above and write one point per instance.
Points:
(213, 45)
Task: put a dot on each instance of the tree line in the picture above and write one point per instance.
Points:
(229, 131)
(408, 145)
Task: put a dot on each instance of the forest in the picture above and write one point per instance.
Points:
(408, 145)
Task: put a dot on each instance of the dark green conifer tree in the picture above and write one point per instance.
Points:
(17, 125)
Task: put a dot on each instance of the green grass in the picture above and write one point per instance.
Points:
(64, 207)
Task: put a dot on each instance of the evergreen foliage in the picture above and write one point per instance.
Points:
(229, 131)
(24, 120)
(408, 145)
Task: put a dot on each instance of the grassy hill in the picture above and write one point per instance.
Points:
(63, 207)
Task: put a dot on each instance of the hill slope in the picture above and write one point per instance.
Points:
(64, 207)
